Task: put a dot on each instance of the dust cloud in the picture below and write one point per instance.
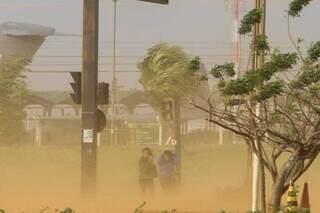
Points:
(213, 178)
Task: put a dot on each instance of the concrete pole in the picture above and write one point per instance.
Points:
(89, 97)
(258, 61)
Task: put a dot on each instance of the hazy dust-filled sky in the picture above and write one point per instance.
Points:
(202, 27)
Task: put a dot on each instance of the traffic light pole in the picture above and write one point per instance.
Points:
(89, 97)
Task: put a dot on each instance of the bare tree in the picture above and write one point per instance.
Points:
(276, 109)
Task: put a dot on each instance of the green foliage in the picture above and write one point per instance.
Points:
(240, 86)
(292, 108)
(296, 7)
(255, 80)
(284, 61)
(265, 73)
(194, 64)
(249, 20)
(307, 77)
(165, 71)
(262, 43)
(271, 89)
(314, 52)
(222, 71)
(314, 90)
(13, 91)
(275, 117)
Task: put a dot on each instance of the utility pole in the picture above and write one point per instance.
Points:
(115, 87)
(236, 46)
(258, 61)
(114, 77)
(89, 97)
(177, 132)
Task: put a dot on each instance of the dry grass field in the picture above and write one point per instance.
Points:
(213, 178)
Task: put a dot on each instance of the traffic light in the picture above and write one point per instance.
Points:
(103, 93)
(76, 86)
(167, 111)
(157, 1)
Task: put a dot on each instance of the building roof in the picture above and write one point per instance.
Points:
(25, 29)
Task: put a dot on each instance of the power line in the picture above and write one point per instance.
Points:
(123, 56)
(41, 64)
(79, 64)
(64, 72)
(170, 42)
(101, 71)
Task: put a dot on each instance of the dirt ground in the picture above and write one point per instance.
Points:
(213, 178)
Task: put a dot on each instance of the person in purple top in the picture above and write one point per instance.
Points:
(167, 163)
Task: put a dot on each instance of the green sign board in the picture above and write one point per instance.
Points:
(144, 133)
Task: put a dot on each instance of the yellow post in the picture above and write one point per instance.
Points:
(292, 202)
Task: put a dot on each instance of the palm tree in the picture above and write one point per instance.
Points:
(168, 73)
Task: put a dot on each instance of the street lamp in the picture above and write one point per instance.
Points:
(114, 78)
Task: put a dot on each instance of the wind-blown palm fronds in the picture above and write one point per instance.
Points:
(165, 72)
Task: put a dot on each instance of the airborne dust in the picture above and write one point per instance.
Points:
(213, 178)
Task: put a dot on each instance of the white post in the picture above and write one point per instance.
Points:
(98, 139)
(255, 183)
(255, 174)
(38, 136)
(160, 131)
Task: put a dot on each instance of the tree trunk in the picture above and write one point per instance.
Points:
(277, 192)
(262, 188)
(262, 178)
(278, 188)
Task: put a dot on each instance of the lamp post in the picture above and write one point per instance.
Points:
(114, 61)
(114, 78)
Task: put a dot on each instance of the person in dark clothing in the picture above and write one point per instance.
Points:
(167, 163)
(147, 172)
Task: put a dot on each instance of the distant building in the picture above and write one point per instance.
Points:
(22, 38)
(59, 119)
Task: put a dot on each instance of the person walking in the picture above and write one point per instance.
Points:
(167, 163)
(147, 172)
